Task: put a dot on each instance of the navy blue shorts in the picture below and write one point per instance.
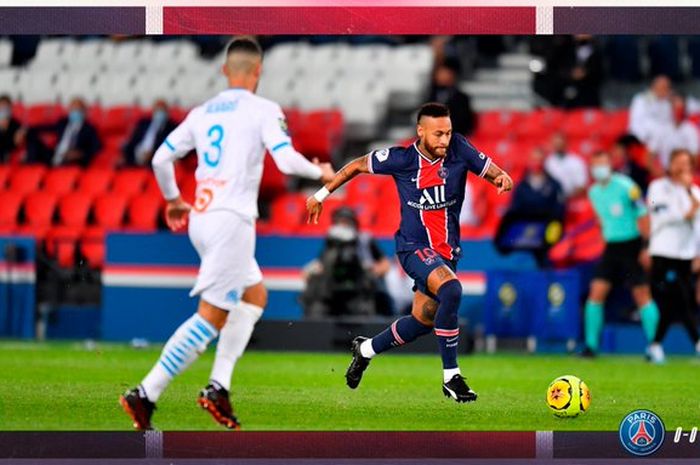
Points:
(419, 263)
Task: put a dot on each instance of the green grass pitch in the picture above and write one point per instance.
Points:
(63, 386)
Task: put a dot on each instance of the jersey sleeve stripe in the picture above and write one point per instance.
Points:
(486, 168)
(280, 145)
(169, 145)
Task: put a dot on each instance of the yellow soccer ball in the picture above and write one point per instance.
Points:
(568, 396)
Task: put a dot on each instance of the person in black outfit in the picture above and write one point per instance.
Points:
(537, 199)
(148, 134)
(347, 278)
(444, 90)
(11, 132)
(78, 141)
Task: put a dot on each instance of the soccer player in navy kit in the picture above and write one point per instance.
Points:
(430, 176)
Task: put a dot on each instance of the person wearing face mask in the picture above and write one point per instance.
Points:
(11, 132)
(348, 277)
(567, 168)
(148, 135)
(674, 202)
(444, 90)
(620, 209)
(78, 141)
(681, 133)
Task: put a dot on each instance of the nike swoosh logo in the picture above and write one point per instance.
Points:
(453, 339)
(414, 179)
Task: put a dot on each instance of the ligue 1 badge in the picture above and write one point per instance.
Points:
(642, 432)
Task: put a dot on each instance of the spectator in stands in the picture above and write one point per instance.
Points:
(631, 158)
(651, 109)
(538, 194)
(574, 72)
(680, 134)
(537, 200)
(568, 169)
(444, 90)
(11, 132)
(78, 141)
(148, 135)
(348, 276)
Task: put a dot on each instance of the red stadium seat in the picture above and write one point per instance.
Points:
(92, 246)
(188, 187)
(74, 208)
(4, 175)
(274, 182)
(144, 211)
(42, 114)
(498, 123)
(365, 188)
(319, 134)
(152, 185)
(39, 208)
(120, 119)
(109, 210)
(615, 125)
(387, 219)
(130, 181)
(39, 233)
(95, 181)
(178, 114)
(62, 179)
(26, 178)
(61, 244)
(287, 213)
(585, 122)
(10, 204)
(539, 124)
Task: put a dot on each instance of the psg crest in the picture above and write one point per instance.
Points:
(642, 432)
(442, 172)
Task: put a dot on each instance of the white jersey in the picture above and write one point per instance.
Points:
(672, 236)
(230, 133)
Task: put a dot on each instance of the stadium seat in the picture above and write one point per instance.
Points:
(585, 122)
(365, 189)
(387, 220)
(10, 204)
(287, 212)
(26, 178)
(4, 174)
(74, 209)
(62, 179)
(95, 181)
(144, 211)
(120, 119)
(42, 114)
(37, 232)
(538, 125)
(188, 187)
(60, 243)
(92, 246)
(109, 210)
(498, 123)
(130, 181)
(152, 185)
(39, 208)
(320, 134)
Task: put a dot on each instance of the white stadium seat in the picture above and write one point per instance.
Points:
(55, 52)
(117, 90)
(9, 82)
(5, 53)
(38, 86)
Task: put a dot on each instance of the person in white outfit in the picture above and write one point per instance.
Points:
(651, 109)
(680, 134)
(230, 133)
(567, 168)
(674, 206)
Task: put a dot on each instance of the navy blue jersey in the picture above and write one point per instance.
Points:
(431, 192)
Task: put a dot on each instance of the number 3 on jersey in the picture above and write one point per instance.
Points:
(216, 136)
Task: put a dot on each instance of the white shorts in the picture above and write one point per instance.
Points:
(225, 243)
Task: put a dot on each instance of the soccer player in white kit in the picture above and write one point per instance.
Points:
(230, 133)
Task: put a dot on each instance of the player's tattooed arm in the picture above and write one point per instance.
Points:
(347, 172)
(499, 178)
(314, 204)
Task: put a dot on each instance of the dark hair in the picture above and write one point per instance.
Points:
(346, 213)
(5, 98)
(244, 44)
(433, 110)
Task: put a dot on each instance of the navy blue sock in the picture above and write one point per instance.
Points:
(401, 331)
(446, 325)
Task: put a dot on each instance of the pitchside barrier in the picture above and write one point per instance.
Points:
(17, 287)
(147, 279)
